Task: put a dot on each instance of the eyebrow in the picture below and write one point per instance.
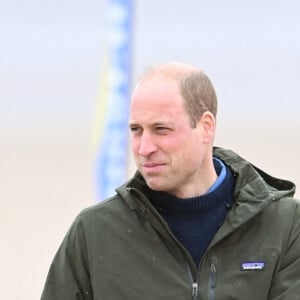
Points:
(131, 124)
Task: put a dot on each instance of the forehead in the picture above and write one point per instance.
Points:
(158, 92)
(157, 100)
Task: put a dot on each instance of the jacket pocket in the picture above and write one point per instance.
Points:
(242, 276)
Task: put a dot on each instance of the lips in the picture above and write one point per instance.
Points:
(152, 167)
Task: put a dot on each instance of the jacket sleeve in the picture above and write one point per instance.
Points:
(69, 276)
(286, 282)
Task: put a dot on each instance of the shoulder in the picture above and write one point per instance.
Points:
(107, 216)
(97, 220)
(285, 211)
(288, 206)
(108, 208)
(288, 214)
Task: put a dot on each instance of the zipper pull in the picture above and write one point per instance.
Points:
(195, 290)
(213, 264)
(213, 268)
(212, 279)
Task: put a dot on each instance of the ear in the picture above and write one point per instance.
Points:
(208, 125)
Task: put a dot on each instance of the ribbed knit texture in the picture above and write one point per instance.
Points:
(195, 221)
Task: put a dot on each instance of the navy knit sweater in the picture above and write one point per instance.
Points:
(195, 221)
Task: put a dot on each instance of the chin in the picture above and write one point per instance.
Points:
(157, 186)
(153, 184)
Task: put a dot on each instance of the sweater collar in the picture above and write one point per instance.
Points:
(222, 192)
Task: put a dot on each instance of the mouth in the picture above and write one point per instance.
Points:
(152, 167)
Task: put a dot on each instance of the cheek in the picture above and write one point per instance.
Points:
(187, 160)
(190, 153)
(134, 146)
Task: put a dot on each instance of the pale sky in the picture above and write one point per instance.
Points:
(51, 55)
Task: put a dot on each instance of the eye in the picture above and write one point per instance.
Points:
(136, 130)
(162, 129)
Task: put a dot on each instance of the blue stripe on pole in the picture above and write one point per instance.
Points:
(111, 166)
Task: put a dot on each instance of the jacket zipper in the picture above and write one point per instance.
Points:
(212, 279)
(195, 291)
(195, 288)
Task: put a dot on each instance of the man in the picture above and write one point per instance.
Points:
(195, 222)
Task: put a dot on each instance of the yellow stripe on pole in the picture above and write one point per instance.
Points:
(101, 109)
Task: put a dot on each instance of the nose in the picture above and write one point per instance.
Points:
(147, 145)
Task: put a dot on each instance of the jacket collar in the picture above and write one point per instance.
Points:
(254, 189)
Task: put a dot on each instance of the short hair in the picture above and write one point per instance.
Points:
(199, 95)
(195, 87)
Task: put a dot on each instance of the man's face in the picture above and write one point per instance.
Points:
(168, 152)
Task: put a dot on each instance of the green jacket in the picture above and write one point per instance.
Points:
(122, 249)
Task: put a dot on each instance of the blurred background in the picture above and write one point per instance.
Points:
(53, 57)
